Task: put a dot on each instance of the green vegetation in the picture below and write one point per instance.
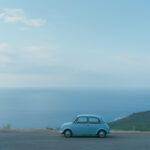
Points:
(7, 126)
(49, 128)
(135, 122)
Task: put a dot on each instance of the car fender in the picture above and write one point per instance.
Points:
(66, 128)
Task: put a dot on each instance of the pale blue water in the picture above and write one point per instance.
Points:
(41, 108)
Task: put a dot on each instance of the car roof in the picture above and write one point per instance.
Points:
(88, 115)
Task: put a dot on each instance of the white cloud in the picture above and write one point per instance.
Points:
(4, 47)
(4, 50)
(27, 57)
(39, 55)
(24, 29)
(5, 60)
(41, 66)
(13, 15)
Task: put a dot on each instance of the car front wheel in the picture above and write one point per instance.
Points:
(101, 134)
(67, 133)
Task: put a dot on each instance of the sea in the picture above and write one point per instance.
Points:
(28, 108)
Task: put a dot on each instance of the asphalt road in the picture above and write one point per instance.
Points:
(55, 141)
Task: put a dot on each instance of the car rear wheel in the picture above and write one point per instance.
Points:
(101, 134)
(67, 133)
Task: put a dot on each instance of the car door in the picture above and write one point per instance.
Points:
(80, 126)
(94, 125)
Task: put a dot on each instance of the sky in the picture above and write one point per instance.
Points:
(74, 43)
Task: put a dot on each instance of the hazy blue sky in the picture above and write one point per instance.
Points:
(75, 43)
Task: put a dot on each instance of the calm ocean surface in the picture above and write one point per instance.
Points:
(41, 108)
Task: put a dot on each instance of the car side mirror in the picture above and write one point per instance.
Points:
(75, 122)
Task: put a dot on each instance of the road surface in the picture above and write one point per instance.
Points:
(55, 141)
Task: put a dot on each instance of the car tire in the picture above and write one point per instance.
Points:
(102, 134)
(67, 133)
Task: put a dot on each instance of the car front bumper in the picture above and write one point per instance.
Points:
(61, 131)
(109, 131)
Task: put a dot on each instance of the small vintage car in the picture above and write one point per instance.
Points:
(85, 125)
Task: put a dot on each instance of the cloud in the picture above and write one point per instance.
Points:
(3, 47)
(4, 57)
(39, 65)
(24, 29)
(5, 60)
(13, 15)
(38, 55)
(23, 60)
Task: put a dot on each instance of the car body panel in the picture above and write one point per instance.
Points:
(80, 129)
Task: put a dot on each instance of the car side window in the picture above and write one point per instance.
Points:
(94, 120)
(82, 120)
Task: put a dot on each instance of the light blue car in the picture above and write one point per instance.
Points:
(85, 125)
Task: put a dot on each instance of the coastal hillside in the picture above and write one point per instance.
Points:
(137, 121)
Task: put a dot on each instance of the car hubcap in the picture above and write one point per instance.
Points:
(67, 133)
(101, 134)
